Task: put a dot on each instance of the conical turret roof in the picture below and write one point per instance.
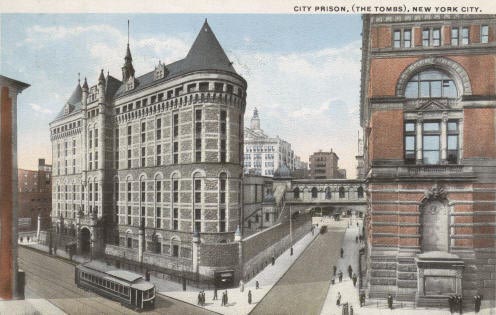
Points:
(206, 53)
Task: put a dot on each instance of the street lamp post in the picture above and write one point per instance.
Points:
(290, 232)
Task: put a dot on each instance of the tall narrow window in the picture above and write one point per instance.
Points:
(452, 142)
(342, 193)
(158, 191)
(175, 152)
(73, 166)
(360, 192)
(198, 135)
(143, 191)
(222, 220)
(90, 161)
(484, 34)
(143, 132)
(96, 160)
(96, 192)
(96, 137)
(436, 37)
(158, 217)
(296, 193)
(90, 192)
(223, 150)
(198, 219)
(143, 157)
(222, 188)
(175, 190)
(175, 125)
(159, 155)
(129, 216)
(159, 129)
(223, 118)
(197, 190)
(314, 192)
(128, 159)
(465, 35)
(129, 130)
(129, 192)
(73, 147)
(175, 221)
(410, 145)
(397, 39)
(116, 192)
(426, 37)
(431, 142)
(90, 138)
(407, 38)
(454, 36)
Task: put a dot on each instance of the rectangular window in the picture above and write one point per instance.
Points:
(96, 191)
(397, 39)
(465, 35)
(454, 36)
(73, 147)
(175, 250)
(452, 142)
(143, 191)
(158, 191)
(222, 150)
(129, 217)
(198, 144)
(198, 220)
(73, 166)
(175, 124)
(426, 37)
(129, 192)
(143, 132)
(229, 89)
(431, 142)
(219, 87)
(158, 217)
(159, 129)
(222, 220)
(223, 116)
(175, 191)
(484, 34)
(197, 189)
(129, 135)
(203, 86)
(436, 37)
(96, 137)
(407, 38)
(90, 160)
(175, 224)
(159, 155)
(143, 157)
(175, 152)
(96, 160)
(90, 138)
(90, 192)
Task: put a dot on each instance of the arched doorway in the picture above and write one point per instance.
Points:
(85, 237)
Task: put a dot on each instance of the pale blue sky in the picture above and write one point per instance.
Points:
(302, 71)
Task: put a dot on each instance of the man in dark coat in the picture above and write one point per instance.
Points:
(451, 302)
(340, 276)
(338, 301)
(199, 298)
(460, 303)
(249, 296)
(223, 302)
(351, 310)
(334, 270)
(390, 301)
(342, 252)
(356, 239)
(227, 299)
(350, 271)
(257, 285)
(354, 278)
(362, 299)
(215, 293)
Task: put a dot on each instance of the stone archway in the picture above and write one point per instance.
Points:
(85, 241)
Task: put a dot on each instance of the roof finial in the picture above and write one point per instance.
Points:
(128, 32)
(79, 78)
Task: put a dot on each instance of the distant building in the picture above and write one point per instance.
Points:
(324, 165)
(264, 154)
(301, 169)
(35, 196)
(9, 286)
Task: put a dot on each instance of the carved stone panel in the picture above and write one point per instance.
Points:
(435, 227)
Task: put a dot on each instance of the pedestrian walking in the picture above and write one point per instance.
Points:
(334, 270)
(333, 280)
(215, 293)
(203, 298)
(273, 260)
(227, 298)
(460, 304)
(199, 298)
(390, 301)
(351, 310)
(357, 224)
(342, 252)
(362, 299)
(249, 296)
(257, 286)
(338, 300)
(354, 278)
(340, 276)
(241, 286)
(451, 302)
(223, 303)
(477, 302)
(350, 271)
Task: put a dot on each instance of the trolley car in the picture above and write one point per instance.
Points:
(128, 288)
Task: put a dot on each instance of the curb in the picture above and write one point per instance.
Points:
(282, 276)
(175, 299)
(72, 262)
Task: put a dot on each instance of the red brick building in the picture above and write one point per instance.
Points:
(9, 286)
(35, 196)
(428, 110)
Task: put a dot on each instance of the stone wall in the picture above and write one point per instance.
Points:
(259, 248)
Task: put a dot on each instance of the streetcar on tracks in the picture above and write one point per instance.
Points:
(128, 288)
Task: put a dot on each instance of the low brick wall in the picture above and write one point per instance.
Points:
(259, 249)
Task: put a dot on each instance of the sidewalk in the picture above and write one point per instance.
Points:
(29, 306)
(237, 300)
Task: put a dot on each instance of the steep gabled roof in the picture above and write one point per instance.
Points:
(206, 53)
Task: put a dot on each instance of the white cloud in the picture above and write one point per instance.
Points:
(40, 109)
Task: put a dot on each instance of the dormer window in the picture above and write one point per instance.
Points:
(160, 71)
(130, 84)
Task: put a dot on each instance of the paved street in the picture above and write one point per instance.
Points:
(303, 289)
(53, 279)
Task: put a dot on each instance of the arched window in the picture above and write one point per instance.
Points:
(222, 201)
(296, 193)
(360, 192)
(314, 192)
(341, 192)
(328, 193)
(431, 83)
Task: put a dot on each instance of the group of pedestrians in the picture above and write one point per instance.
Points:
(455, 303)
(201, 298)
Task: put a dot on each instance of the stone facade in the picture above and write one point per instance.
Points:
(428, 115)
(145, 163)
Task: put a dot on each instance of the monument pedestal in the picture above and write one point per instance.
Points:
(439, 276)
